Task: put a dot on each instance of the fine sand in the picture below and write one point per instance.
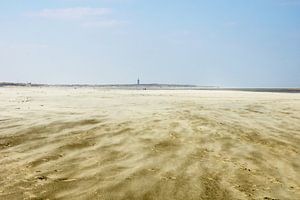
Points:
(86, 143)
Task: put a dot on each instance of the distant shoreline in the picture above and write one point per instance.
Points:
(154, 86)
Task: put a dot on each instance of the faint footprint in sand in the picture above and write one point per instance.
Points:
(275, 180)
(42, 178)
(173, 136)
(269, 198)
(152, 170)
(245, 169)
(66, 179)
(166, 178)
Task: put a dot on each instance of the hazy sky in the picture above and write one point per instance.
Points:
(233, 43)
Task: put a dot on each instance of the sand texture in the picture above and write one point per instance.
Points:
(87, 143)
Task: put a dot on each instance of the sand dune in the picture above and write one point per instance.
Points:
(66, 143)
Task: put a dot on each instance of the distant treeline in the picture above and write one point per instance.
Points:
(155, 86)
(19, 84)
(97, 85)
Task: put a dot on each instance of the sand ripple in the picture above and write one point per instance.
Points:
(108, 144)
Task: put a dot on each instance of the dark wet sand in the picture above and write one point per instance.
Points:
(85, 143)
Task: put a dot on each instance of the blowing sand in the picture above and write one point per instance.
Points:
(66, 143)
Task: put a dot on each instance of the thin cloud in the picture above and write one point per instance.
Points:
(70, 13)
(84, 16)
(108, 23)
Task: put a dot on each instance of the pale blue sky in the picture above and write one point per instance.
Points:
(234, 43)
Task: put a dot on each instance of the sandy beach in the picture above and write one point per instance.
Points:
(89, 143)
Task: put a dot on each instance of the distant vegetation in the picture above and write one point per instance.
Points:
(98, 85)
(153, 86)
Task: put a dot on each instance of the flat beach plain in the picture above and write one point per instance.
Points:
(89, 143)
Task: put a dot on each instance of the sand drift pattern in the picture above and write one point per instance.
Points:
(65, 143)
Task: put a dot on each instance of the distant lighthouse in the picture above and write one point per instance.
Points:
(138, 81)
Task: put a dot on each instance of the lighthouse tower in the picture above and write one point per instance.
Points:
(138, 81)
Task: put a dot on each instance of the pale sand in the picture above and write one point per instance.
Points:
(65, 143)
